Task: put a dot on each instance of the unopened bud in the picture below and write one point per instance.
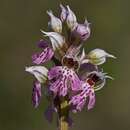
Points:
(71, 19)
(64, 13)
(83, 31)
(98, 56)
(55, 22)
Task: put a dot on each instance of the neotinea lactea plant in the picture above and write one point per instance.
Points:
(75, 76)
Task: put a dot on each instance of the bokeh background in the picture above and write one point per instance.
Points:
(20, 22)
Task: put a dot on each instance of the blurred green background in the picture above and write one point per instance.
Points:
(20, 22)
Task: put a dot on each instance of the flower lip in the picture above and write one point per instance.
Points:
(78, 101)
(65, 79)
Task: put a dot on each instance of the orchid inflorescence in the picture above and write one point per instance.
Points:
(74, 77)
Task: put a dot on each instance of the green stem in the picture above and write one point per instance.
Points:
(63, 124)
(63, 115)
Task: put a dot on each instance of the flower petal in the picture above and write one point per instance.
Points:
(40, 72)
(43, 57)
(36, 94)
(42, 44)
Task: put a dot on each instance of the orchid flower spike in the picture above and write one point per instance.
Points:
(72, 77)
